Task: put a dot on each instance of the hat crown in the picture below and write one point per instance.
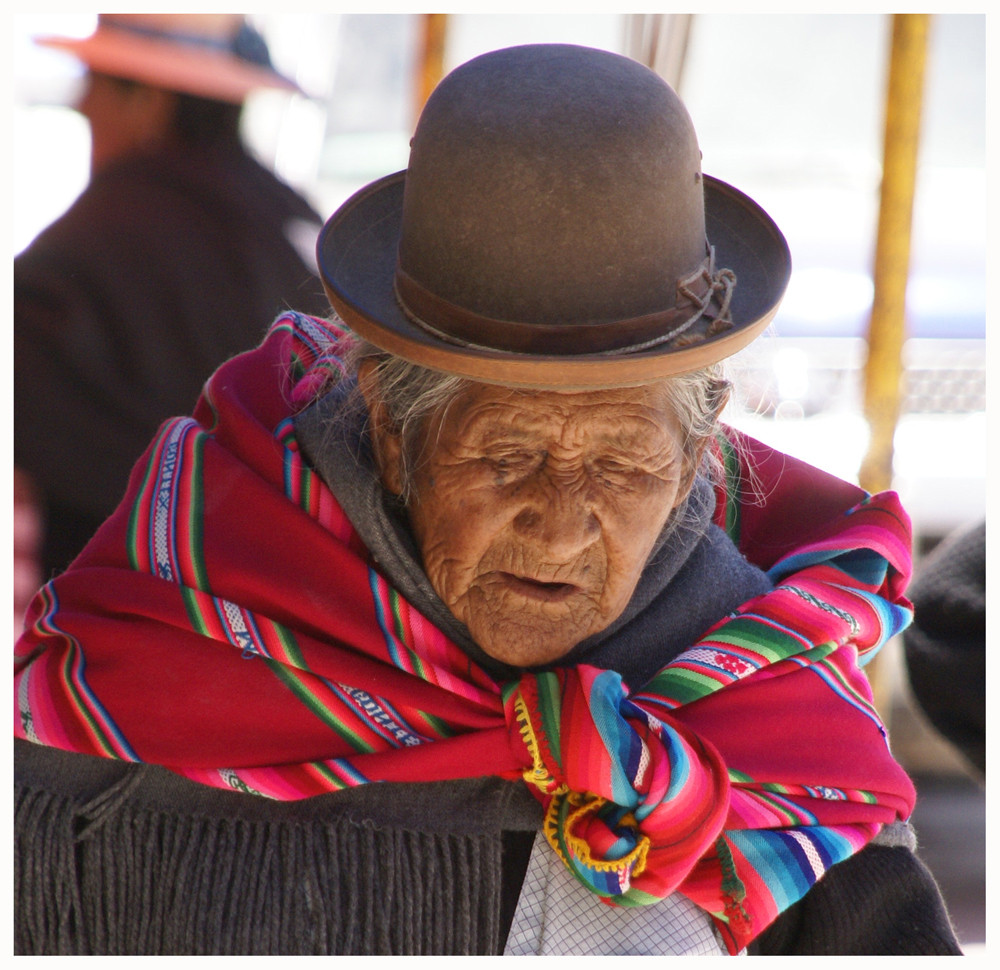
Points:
(553, 184)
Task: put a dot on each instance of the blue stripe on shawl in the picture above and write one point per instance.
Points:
(781, 861)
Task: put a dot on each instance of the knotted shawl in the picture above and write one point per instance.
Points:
(227, 623)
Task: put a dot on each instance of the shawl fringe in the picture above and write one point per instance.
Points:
(108, 877)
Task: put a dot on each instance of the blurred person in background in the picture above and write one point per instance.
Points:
(166, 265)
(945, 647)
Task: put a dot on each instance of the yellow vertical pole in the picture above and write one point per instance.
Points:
(430, 58)
(887, 327)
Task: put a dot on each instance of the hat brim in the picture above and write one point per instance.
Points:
(206, 74)
(357, 259)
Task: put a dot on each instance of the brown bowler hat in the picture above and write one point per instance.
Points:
(553, 229)
(216, 56)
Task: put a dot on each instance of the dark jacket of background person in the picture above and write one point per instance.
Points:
(164, 267)
(945, 648)
(169, 262)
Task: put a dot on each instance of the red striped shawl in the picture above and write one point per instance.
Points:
(226, 623)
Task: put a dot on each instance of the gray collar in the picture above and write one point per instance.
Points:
(332, 436)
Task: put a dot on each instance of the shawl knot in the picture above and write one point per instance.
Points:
(631, 800)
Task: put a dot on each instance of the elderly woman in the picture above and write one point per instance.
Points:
(456, 623)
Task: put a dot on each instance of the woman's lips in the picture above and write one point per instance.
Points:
(537, 589)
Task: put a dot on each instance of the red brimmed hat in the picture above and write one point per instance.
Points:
(217, 56)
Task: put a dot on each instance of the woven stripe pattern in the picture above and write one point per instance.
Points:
(228, 624)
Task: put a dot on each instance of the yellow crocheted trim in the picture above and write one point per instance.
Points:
(537, 775)
(581, 805)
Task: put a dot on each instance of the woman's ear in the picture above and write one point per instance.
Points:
(386, 442)
(692, 470)
(719, 405)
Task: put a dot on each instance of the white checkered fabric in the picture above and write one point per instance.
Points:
(556, 915)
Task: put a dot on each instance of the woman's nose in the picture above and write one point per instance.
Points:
(558, 518)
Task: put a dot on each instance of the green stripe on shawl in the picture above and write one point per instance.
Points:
(81, 703)
(138, 508)
(550, 705)
(302, 691)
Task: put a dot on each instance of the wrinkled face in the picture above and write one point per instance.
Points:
(535, 512)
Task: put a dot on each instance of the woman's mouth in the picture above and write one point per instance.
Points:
(536, 589)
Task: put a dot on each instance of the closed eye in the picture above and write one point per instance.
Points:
(514, 462)
(611, 466)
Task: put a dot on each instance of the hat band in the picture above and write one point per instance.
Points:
(158, 33)
(696, 294)
(247, 44)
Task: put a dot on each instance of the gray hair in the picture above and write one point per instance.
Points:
(412, 395)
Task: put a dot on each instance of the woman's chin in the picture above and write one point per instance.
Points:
(529, 644)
